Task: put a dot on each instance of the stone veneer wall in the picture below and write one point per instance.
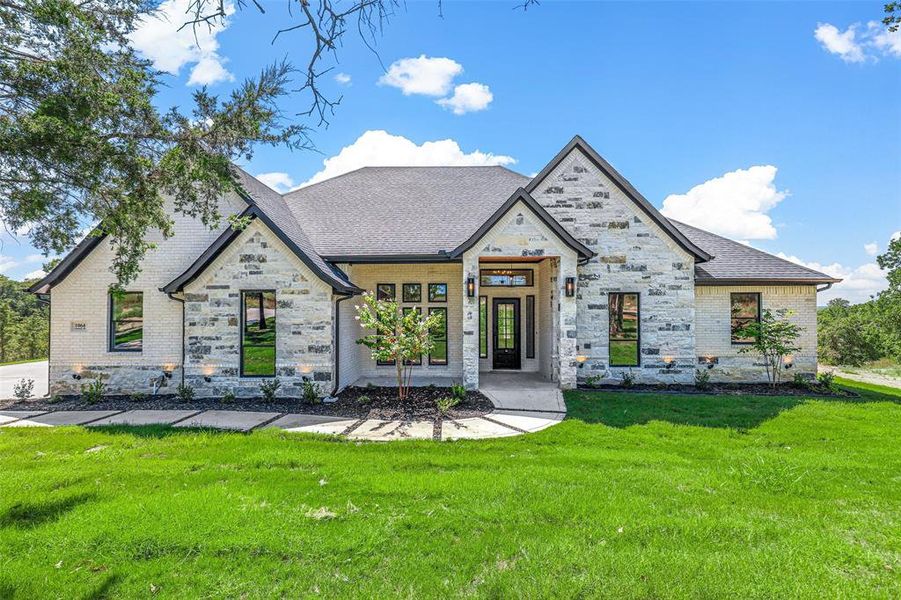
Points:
(258, 260)
(714, 338)
(634, 255)
(83, 297)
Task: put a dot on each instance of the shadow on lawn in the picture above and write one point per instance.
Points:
(24, 515)
(622, 409)
(156, 431)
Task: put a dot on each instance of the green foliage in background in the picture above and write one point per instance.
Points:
(24, 323)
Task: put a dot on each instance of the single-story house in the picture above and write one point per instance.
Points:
(571, 274)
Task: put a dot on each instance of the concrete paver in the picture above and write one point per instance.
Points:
(300, 423)
(62, 417)
(8, 416)
(378, 430)
(525, 420)
(474, 428)
(228, 419)
(146, 417)
(522, 391)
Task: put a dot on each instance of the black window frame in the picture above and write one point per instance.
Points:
(483, 330)
(637, 330)
(433, 309)
(404, 297)
(531, 278)
(111, 322)
(432, 299)
(241, 322)
(732, 339)
(530, 326)
(378, 291)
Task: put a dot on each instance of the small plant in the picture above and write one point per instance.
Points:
(310, 392)
(458, 391)
(702, 379)
(826, 379)
(184, 392)
(593, 381)
(628, 379)
(93, 392)
(137, 396)
(364, 400)
(228, 397)
(24, 389)
(800, 381)
(445, 404)
(55, 399)
(270, 388)
(370, 386)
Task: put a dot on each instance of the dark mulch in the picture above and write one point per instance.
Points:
(352, 403)
(730, 389)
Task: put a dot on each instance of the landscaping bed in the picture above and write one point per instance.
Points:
(728, 389)
(353, 402)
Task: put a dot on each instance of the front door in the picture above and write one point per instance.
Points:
(506, 333)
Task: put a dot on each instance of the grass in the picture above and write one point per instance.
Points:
(634, 495)
(885, 367)
(22, 362)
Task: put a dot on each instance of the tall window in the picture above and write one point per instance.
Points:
(407, 310)
(745, 309)
(438, 356)
(258, 333)
(126, 322)
(483, 326)
(624, 330)
(530, 326)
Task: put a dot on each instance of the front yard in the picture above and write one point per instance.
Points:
(635, 495)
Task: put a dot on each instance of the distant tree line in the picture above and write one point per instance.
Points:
(856, 334)
(24, 322)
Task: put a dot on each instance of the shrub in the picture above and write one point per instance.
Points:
(137, 396)
(800, 381)
(93, 392)
(24, 389)
(184, 392)
(774, 337)
(310, 392)
(228, 396)
(628, 379)
(702, 379)
(55, 399)
(458, 392)
(364, 400)
(270, 387)
(445, 404)
(826, 379)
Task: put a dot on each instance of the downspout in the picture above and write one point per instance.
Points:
(182, 301)
(337, 344)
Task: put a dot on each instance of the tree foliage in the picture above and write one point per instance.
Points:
(24, 323)
(81, 141)
(775, 338)
(398, 337)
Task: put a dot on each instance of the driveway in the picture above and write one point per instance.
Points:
(11, 374)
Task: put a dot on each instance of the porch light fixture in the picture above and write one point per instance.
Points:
(570, 287)
(668, 361)
(471, 287)
(581, 358)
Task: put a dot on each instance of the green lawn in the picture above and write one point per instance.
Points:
(22, 362)
(636, 495)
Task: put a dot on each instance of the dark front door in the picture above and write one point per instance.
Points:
(506, 333)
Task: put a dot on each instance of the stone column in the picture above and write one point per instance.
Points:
(471, 323)
(566, 347)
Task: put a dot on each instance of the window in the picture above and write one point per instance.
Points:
(530, 326)
(483, 326)
(625, 335)
(437, 292)
(417, 310)
(412, 292)
(506, 277)
(438, 356)
(258, 333)
(385, 291)
(126, 322)
(745, 308)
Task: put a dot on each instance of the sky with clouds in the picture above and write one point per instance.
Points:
(775, 124)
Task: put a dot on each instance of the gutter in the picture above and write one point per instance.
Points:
(337, 343)
(825, 287)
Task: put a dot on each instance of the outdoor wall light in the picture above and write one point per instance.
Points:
(471, 286)
(76, 376)
(207, 378)
(167, 374)
(789, 361)
(708, 360)
(570, 287)
(668, 361)
(581, 358)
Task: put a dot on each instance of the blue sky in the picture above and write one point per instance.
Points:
(673, 95)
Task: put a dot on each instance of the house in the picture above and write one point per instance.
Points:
(571, 274)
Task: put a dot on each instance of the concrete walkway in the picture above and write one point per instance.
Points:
(11, 374)
(514, 390)
(499, 423)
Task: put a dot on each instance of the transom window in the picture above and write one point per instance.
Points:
(506, 277)
(258, 333)
(126, 322)
(624, 330)
(745, 309)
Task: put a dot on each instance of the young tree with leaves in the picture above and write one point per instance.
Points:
(398, 337)
(774, 338)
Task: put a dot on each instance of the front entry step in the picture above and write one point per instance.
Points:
(522, 392)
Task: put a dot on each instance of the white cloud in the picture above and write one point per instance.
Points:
(342, 78)
(7, 263)
(381, 149)
(734, 205)
(280, 182)
(872, 248)
(856, 45)
(468, 97)
(857, 285)
(34, 275)
(161, 39)
(896, 235)
(424, 75)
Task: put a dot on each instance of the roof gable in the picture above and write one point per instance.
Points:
(577, 143)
